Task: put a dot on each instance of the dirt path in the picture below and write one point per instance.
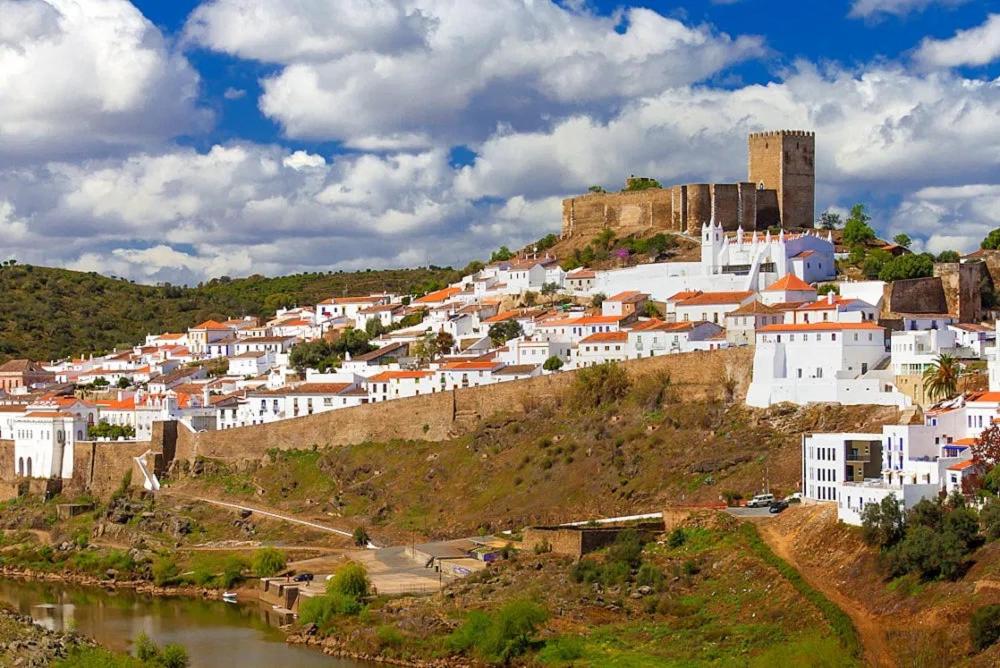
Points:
(871, 628)
(257, 511)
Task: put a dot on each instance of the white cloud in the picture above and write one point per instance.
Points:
(975, 46)
(423, 74)
(81, 77)
(881, 128)
(870, 8)
(949, 218)
(234, 93)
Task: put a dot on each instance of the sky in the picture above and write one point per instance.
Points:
(181, 140)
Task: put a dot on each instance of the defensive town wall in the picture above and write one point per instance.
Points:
(438, 417)
(780, 189)
(99, 467)
(954, 289)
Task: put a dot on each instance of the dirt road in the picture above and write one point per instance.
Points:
(871, 628)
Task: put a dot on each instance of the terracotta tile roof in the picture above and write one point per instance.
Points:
(438, 296)
(961, 466)
(789, 282)
(116, 405)
(970, 327)
(21, 366)
(12, 408)
(320, 388)
(368, 299)
(211, 325)
(985, 396)
(375, 354)
(804, 254)
(386, 376)
(298, 322)
(500, 317)
(49, 414)
(753, 308)
(964, 441)
(606, 337)
(471, 365)
(820, 327)
(711, 298)
(581, 274)
(516, 369)
(628, 297)
(682, 295)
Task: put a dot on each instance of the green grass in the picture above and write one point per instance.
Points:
(842, 625)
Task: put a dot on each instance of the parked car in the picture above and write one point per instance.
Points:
(761, 501)
(795, 497)
(778, 506)
(303, 577)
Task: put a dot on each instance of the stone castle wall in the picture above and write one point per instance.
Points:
(440, 416)
(961, 284)
(780, 190)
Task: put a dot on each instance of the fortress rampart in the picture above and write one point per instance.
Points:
(779, 190)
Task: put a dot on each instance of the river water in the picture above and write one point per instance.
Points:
(214, 633)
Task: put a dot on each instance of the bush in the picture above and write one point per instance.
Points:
(165, 571)
(171, 656)
(560, 649)
(626, 549)
(601, 384)
(677, 537)
(351, 580)
(650, 576)
(989, 516)
(553, 363)
(586, 571)
(499, 639)
(984, 626)
(360, 536)
(268, 561)
(389, 636)
(882, 523)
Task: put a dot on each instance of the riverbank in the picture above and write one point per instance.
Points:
(341, 649)
(138, 586)
(23, 643)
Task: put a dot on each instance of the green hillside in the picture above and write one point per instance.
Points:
(51, 313)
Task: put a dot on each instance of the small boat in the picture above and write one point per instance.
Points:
(229, 596)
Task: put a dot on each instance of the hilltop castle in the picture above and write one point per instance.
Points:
(779, 191)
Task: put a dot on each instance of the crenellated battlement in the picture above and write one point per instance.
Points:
(780, 133)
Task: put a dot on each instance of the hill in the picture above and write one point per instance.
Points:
(52, 313)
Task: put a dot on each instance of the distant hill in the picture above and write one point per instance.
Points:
(48, 313)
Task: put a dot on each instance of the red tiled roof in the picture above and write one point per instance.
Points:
(682, 295)
(820, 327)
(789, 282)
(438, 296)
(628, 296)
(398, 375)
(961, 466)
(606, 337)
(211, 324)
(472, 365)
(581, 273)
(710, 298)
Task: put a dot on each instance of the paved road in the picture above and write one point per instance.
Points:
(750, 512)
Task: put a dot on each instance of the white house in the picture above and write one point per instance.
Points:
(600, 348)
(347, 307)
(743, 323)
(832, 308)
(710, 306)
(251, 364)
(43, 444)
(914, 351)
(973, 338)
(820, 362)
(399, 384)
(788, 288)
(526, 350)
(649, 338)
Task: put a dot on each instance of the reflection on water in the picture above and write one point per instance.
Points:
(214, 633)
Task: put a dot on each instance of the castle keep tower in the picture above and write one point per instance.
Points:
(785, 161)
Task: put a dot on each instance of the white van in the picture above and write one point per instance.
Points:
(761, 501)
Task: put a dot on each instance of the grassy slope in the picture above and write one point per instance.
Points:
(558, 463)
(924, 623)
(50, 313)
(721, 604)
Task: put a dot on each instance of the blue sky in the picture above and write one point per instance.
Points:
(176, 141)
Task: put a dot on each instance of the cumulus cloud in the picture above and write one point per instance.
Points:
(396, 75)
(882, 127)
(82, 77)
(975, 46)
(874, 8)
(183, 215)
(950, 218)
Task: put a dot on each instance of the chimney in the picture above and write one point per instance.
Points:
(829, 298)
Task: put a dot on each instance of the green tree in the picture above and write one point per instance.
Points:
(319, 355)
(635, 183)
(598, 299)
(502, 332)
(984, 626)
(501, 255)
(353, 341)
(882, 524)
(857, 229)
(830, 220)
(547, 242)
(268, 561)
(874, 262)
(940, 378)
(827, 288)
(360, 537)
(906, 266)
(553, 363)
(443, 342)
(351, 580)
(600, 384)
(948, 256)
(992, 240)
(123, 382)
(596, 189)
(548, 290)
(903, 239)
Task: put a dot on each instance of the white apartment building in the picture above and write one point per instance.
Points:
(43, 444)
(822, 362)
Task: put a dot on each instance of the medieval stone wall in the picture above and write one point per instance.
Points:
(961, 284)
(785, 161)
(440, 416)
(914, 295)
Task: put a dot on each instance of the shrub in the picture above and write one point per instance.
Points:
(562, 648)
(553, 363)
(984, 626)
(990, 518)
(542, 547)
(650, 576)
(882, 523)
(627, 549)
(677, 537)
(586, 571)
(360, 537)
(351, 580)
(601, 384)
(268, 561)
(499, 639)
(389, 636)
(165, 571)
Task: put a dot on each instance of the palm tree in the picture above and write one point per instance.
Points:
(941, 378)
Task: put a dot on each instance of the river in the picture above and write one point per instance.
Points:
(214, 633)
